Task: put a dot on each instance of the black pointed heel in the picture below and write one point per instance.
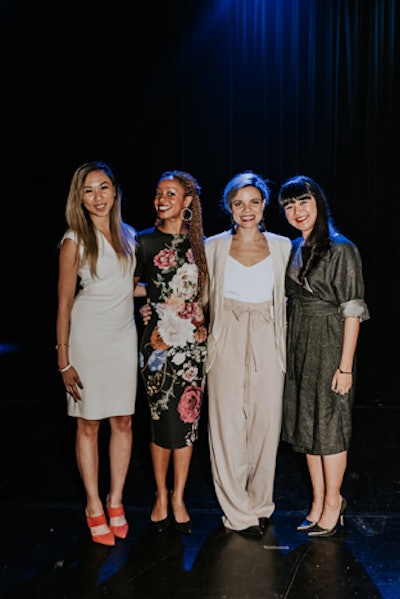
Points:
(185, 528)
(263, 523)
(161, 525)
(252, 532)
(318, 532)
(306, 525)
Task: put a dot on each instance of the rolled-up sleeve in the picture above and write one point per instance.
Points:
(349, 282)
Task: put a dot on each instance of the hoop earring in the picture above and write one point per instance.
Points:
(186, 214)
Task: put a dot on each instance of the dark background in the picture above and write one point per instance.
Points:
(212, 87)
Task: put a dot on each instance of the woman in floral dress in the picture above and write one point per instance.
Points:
(171, 262)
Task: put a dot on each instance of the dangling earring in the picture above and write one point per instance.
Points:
(261, 225)
(233, 226)
(186, 214)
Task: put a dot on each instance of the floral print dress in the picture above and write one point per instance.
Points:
(173, 344)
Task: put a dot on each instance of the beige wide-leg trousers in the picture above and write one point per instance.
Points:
(245, 386)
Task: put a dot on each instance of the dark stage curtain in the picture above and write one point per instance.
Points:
(281, 88)
(212, 87)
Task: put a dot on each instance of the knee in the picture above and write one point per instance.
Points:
(88, 428)
(121, 424)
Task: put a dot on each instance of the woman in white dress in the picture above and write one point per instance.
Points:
(97, 337)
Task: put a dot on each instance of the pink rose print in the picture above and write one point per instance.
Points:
(165, 259)
(192, 311)
(190, 404)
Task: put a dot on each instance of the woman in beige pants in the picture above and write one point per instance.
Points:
(246, 356)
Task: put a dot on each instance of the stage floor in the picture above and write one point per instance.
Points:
(46, 550)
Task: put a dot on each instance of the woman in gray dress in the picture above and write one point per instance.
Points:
(325, 291)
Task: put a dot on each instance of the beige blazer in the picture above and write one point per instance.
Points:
(217, 250)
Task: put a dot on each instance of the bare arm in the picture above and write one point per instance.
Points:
(67, 280)
(140, 289)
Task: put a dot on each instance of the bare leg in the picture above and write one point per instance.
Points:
(160, 457)
(182, 459)
(315, 468)
(87, 457)
(334, 469)
(120, 455)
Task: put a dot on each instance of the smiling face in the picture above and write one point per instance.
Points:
(247, 207)
(301, 213)
(170, 199)
(98, 194)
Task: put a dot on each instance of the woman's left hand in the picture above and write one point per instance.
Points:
(341, 382)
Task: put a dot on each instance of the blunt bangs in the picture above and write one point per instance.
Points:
(292, 190)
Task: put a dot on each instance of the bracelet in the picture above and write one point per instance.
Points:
(345, 371)
(67, 367)
(61, 344)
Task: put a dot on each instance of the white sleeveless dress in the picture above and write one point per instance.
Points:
(103, 338)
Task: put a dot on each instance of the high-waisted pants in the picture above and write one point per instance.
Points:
(245, 386)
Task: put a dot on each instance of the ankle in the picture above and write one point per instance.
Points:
(94, 509)
(113, 500)
(160, 507)
(177, 498)
(316, 510)
(333, 503)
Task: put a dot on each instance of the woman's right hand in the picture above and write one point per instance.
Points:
(72, 383)
(145, 311)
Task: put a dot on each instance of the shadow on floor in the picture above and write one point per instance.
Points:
(46, 551)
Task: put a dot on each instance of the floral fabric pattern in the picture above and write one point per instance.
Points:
(173, 345)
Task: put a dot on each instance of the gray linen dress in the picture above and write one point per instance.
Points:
(315, 419)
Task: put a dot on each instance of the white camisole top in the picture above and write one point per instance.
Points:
(249, 283)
